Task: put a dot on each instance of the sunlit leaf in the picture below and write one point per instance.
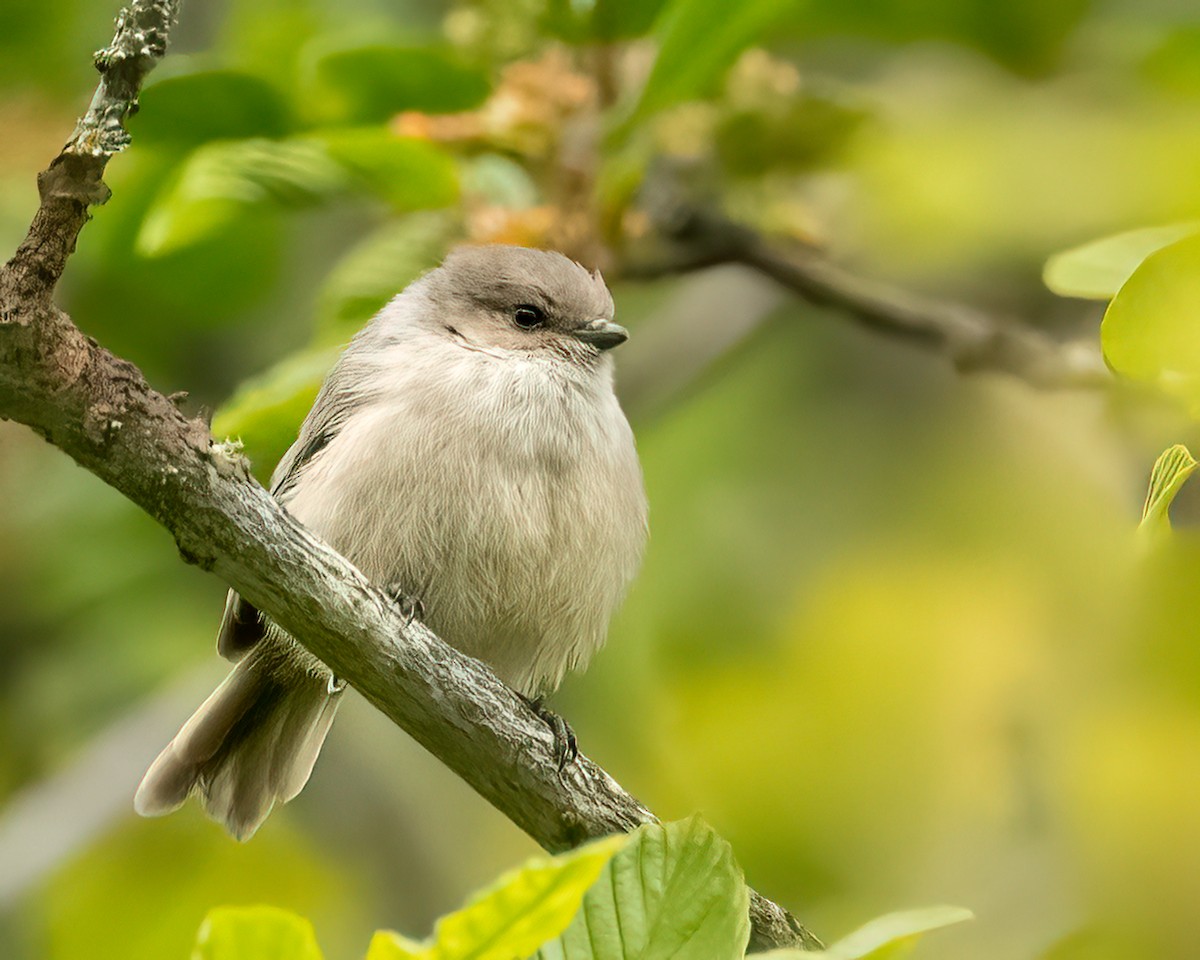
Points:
(371, 84)
(220, 180)
(255, 933)
(524, 908)
(409, 174)
(889, 937)
(673, 892)
(192, 108)
(514, 916)
(1097, 270)
(267, 410)
(1171, 469)
(1151, 330)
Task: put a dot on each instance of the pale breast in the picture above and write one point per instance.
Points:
(504, 496)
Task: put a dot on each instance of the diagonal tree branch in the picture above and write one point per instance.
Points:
(100, 410)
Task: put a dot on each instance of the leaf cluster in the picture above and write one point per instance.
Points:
(671, 891)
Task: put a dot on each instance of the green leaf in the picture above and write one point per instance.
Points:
(514, 916)
(220, 180)
(255, 933)
(409, 174)
(1171, 469)
(1097, 270)
(1151, 330)
(266, 411)
(885, 938)
(378, 268)
(674, 891)
(698, 40)
(525, 907)
(371, 84)
(193, 108)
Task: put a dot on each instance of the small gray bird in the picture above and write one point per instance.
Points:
(468, 453)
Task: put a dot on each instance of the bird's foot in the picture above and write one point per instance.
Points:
(566, 749)
(413, 608)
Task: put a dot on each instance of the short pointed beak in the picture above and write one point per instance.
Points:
(602, 334)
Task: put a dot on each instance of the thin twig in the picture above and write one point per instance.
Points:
(972, 339)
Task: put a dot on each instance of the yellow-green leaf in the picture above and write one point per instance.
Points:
(1151, 330)
(525, 907)
(255, 933)
(1097, 270)
(1170, 471)
(889, 937)
(513, 917)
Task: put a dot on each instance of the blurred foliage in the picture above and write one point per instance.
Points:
(894, 635)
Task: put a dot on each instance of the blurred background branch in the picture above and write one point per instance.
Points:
(683, 238)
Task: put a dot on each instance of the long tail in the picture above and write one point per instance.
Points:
(251, 744)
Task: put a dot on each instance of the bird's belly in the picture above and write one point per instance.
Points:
(494, 538)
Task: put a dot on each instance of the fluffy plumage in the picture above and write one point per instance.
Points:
(467, 450)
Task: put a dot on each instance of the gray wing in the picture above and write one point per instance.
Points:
(342, 392)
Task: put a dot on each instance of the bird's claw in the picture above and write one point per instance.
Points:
(413, 608)
(566, 748)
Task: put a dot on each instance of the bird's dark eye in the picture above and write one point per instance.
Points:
(527, 316)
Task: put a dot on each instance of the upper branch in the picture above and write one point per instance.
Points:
(971, 338)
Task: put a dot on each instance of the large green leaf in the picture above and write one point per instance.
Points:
(889, 937)
(220, 180)
(698, 40)
(255, 933)
(192, 108)
(1171, 470)
(266, 411)
(1097, 270)
(514, 916)
(371, 84)
(673, 892)
(409, 174)
(1151, 330)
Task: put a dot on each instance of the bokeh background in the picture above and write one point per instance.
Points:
(894, 637)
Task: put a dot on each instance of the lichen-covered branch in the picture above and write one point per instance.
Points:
(100, 410)
(74, 181)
